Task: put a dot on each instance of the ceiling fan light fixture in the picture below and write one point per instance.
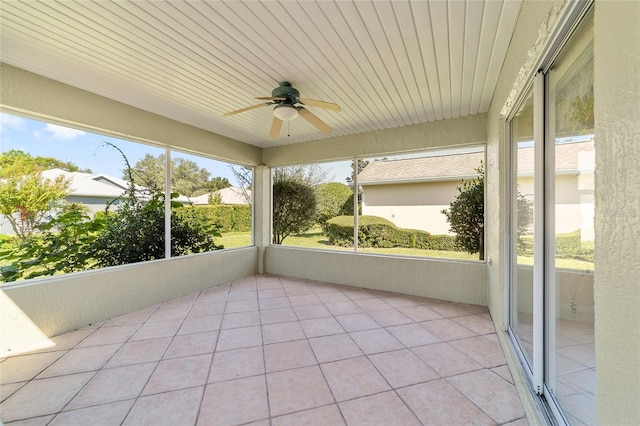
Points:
(285, 112)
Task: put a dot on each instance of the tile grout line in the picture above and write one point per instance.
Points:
(215, 346)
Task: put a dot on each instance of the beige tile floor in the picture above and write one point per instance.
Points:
(269, 350)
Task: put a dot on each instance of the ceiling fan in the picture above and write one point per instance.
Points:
(288, 105)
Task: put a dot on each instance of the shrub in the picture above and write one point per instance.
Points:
(570, 246)
(466, 214)
(331, 199)
(294, 207)
(230, 218)
(378, 232)
(443, 242)
(373, 231)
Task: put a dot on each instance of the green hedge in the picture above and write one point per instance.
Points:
(377, 232)
(230, 218)
(570, 246)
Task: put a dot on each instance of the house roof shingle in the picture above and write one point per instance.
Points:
(230, 195)
(457, 166)
(89, 184)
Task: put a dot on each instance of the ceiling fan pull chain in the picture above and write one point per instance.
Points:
(288, 129)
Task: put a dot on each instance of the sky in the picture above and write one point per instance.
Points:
(87, 150)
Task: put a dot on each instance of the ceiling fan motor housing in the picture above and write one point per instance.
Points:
(285, 90)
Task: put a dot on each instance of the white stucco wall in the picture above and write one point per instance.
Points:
(463, 131)
(35, 309)
(617, 210)
(34, 96)
(412, 205)
(439, 279)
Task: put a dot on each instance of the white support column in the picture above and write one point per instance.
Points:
(167, 203)
(262, 202)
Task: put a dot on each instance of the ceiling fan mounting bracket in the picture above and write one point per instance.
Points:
(287, 91)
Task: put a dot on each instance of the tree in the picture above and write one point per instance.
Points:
(244, 177)
(148, 172)
(16, 160)
(294, 208)
(331, 200)
(218, 183)
(466, 215)
(350, 180)
(361, 165)
(187, 178)
(65, 244)
(311, 175)
(26, 199)
(134, 232)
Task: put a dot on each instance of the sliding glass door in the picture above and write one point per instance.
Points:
(522, 203)
(571, 148)
(551, 302)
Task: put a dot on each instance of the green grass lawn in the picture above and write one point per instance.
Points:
(314, 239)
(234, 239)
(581, 265)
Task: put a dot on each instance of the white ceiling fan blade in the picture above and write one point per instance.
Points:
(320, 104)
(238, 111)
(275, 128)
(315, 121)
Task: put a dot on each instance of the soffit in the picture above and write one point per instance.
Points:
(386, 63)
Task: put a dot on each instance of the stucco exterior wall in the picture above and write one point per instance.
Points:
(35, 96)
(439, 279)
(463, 131)
(617, 210)
(39, 308)
(411, 205)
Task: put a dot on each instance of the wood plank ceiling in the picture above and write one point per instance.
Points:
(386, 63)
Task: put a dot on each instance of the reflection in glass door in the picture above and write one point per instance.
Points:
(523, 196)
(570, 373)
(552, 245)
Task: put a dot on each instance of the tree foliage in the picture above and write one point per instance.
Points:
(294, 207)
(466, 215)
(20, 163)
(244, 177)
(311, 174)
(187, 178)
(361, 165)
(133, 231)
(218, 183)
(65, 244)
(332, 200)
(26, 198)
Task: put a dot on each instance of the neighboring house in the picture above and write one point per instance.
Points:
(230, 195)
(412, 192)
(575, 163)
(94, 191)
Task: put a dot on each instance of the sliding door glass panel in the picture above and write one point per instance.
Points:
(522, 199)
(571, 363)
